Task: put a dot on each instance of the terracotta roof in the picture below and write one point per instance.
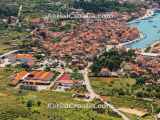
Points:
(65, 76)
(55, 34)
(24, 56)
(30, 63)
(18, 77)
(40, 75)
(65, 79)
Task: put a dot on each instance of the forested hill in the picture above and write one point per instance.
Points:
(104, 5)
(10, 7)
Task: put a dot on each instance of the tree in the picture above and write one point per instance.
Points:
(140, 80)
(39, 103)
(7, 10)
(76, 75)
(112, 59)
(103, 6)
(99, 106)
(29, 104)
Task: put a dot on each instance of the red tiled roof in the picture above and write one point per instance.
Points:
(30, 63)
(24, 56)
(18, 77)
(41, 75)
(65, 79)
(65, 76)
(55, 34)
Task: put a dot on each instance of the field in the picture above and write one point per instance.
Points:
(10, 39)
(110, 86)
(118, 91)
(29, 105)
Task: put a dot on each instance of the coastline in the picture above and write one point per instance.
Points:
(133, 41)
(157, 42)
(152, 45)
(149, 13)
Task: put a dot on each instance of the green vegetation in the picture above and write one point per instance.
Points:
(124, 86)
(112, 86)
(10, 39)
(8, 10)
(56, 39)
(104, 5)
(6, 75)
(68, 26)
(29, 105)
(76, 75)
(130, 102)
(111, 59)
(3, 26)
(148, 49)
(34, 106)
(124, 92)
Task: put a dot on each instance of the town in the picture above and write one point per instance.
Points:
(112, 61)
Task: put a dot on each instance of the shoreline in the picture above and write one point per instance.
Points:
(157, 42)
(152, 46)
(149, 13)
(132, 41)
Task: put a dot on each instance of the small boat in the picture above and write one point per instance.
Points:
(150, 21)
(137, 22)
(154, 26)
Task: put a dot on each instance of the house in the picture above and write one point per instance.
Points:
(105, 72)
(19, 77)
(65, 81)
(35, 80)
(54, 34)
(38, 78)
(42, 22)
(25, 59)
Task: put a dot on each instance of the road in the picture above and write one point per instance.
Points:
(52, 83)
(94, 95)
(8, 53)
(150, 54)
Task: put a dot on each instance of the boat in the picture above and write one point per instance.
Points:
(150, 21)
(154, 26)
(137, 22)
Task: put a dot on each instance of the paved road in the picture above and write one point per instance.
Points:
(8, 53)
(150, 54)
(94, 95)
(52, 83)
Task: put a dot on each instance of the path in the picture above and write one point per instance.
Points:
(150, 54)
(53, 82)
(8, 53)
(94, 95)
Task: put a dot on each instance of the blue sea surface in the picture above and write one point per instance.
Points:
(150, 27)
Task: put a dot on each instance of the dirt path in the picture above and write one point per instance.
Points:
(133, 111)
